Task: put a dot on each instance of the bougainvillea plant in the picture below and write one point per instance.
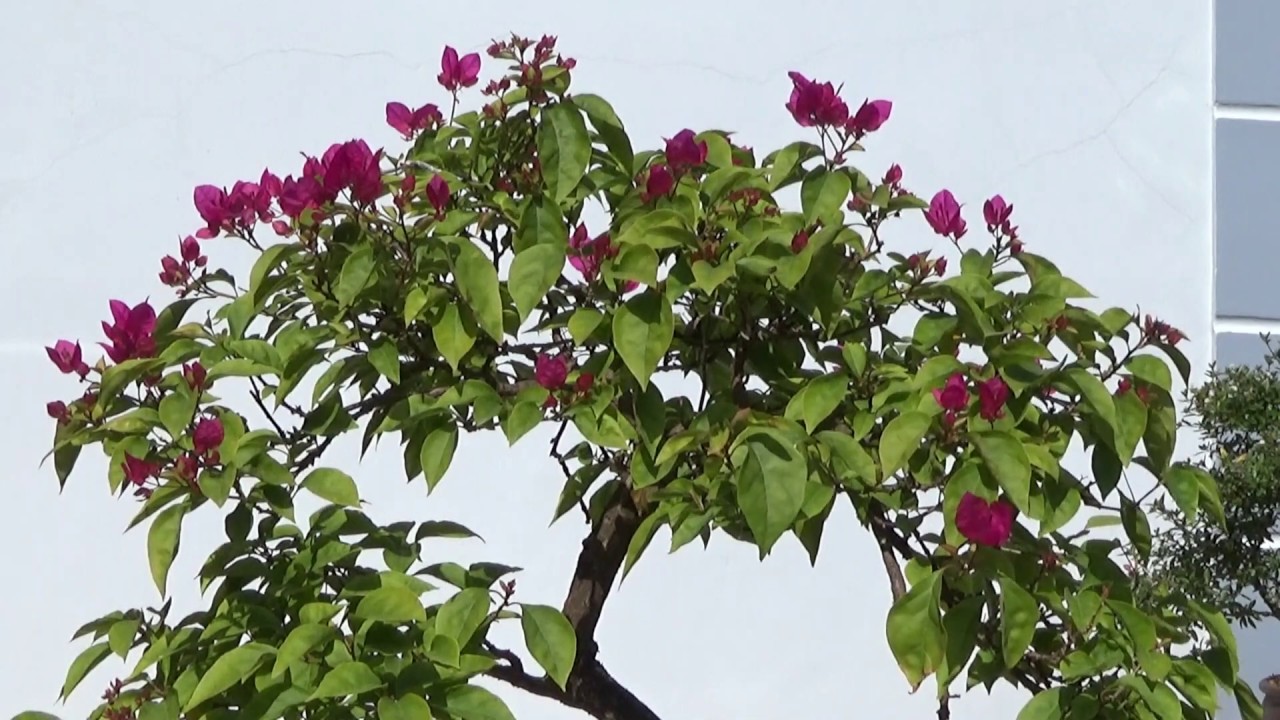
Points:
(451, 286)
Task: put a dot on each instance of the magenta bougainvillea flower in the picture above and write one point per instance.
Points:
(130, 332)
(869, 117)
(992, 396)
(685, 151)
(996, 212)
(207, 436)
(195, 375)
(438, 194)
(138, 471)
(659, 183)
(458, 72)
(954, 395)
(411, 122)
(984, 523)
(68, 357)
(943, 215)
(550, 371)
(814, 104)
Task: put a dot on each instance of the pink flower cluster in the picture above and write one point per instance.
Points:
(985, 523)
(130, 332)
(683, 153)
(206, 438)
(954, 396)
(345, 167)
(176, 272)
(552, 372)
(587, 254)
(815, 104)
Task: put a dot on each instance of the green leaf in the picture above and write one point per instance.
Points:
(1152, 370)
(643, 536)
(349, 678)
(463, 614)
(524, 416)
(87, 660)
(391, 604)
(437, 454)
(478, 283)
(177, 409)
(642, 332)
(385, 358)
(1049, 704)
(1136, 526)
(414, 303)
(472, 702)
(564, 149)
(271, 257)
(533, 271)
(453, 338)
(608, 127)
(162, 543)
(1183, 483)
(333, 485)
(550, 639)
(961, 624)
(1096, 396)
(540, 222)
(356, 274)
(299, 642)
(636, 262)
(1142, 632)
(1106, 469)
(1196, 683)
(227, 671)
(1210, 498)
(409, 707)
(64, 461)
(771, 487)
(818, 399)
(901, 438)
(121, 636)
(35, 715)
(1019, 615)
(1007, 460)
(823, 192)
(583, 322)
(1131, 423)
(850, 453)
(915, 631)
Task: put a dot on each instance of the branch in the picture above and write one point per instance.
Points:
(590, 687)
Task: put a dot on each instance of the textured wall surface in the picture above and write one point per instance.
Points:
(1247, 171)
(1094, 119)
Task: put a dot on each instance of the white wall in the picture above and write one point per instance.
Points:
(1093, 118)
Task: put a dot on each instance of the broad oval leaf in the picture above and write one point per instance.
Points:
(564, 149)
(478, 283)
(550, 639)
(1019, 615)
(333, 485)
(915, 631)
(771, 487)
(533, 271)
(1009, 464)
(642, 332)
(901, 438)
(391, 604)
